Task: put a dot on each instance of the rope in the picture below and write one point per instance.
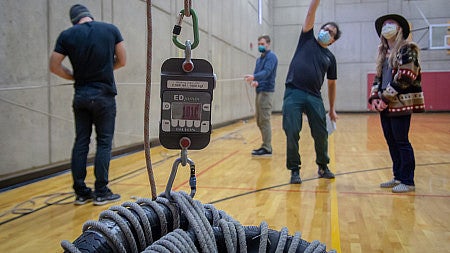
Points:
(134, 222)
(174, 211)
(68, 246)
(264, 236)
(282, 240)
(123, 227)
(295, 242)
(159, 212)
(115, 242)
(143, 217)
(180, 240)
(197, 220)
(148, 160)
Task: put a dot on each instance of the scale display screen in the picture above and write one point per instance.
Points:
(186, 111)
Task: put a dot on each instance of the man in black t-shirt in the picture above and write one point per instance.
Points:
(311, 61)
(95, 50)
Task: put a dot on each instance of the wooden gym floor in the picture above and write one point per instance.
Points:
(349, 214)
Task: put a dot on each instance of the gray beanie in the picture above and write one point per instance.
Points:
(77, 12)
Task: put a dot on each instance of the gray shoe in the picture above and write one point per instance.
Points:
(295, 177)
(403, 188)
(390, 184)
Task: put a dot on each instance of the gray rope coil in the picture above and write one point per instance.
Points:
(134, 222)
(295, 242)
(197, 220)
(158, 211)
(68, 246)
(132, 217)
(264, 236)
(108, 214)
(282, 240)
(95, 225)
(175, 241)
(173, 210)
(143, 217)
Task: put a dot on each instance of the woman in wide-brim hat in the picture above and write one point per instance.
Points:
(396, 93)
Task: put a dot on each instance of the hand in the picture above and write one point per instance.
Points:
(249, 78)
(378, 105)
(333, 115)
(381, 105)
(254, 84)
(373, 104)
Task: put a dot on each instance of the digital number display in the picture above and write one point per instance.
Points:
(186, 111)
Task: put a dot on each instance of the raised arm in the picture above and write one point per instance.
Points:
(310, 16)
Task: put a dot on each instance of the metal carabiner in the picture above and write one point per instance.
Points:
(183, 160)
(177, 30)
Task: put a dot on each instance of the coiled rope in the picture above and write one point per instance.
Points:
(126, 228)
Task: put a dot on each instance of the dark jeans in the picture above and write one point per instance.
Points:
(295, 103)
(395, 130)
(91, 107)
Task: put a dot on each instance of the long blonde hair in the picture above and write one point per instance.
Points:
(383, 49)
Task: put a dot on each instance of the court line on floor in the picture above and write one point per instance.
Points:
(334, 206)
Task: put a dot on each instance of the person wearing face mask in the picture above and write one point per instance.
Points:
(311, 61)
(397, 93)
(263, 80)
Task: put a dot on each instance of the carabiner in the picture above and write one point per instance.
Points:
(177, 30)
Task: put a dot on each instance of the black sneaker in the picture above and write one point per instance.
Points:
(103, 200)
(81, 200)
(324, 172)
(295, 177)
(261, 152)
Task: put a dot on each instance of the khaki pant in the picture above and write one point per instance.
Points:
(263, 104)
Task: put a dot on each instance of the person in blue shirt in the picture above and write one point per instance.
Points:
(311, 61)
(263, 79)
(95, 49)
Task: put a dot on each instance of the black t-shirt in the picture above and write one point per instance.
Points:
(90, 47)
(309, 65)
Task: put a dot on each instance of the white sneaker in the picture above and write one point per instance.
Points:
(403, 188)
(390, 184)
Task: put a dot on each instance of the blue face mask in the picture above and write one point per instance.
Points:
(261, 48)
(324, 37)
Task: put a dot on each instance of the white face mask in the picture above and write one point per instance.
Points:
(389, 31)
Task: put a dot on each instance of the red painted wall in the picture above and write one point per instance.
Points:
(435, 86)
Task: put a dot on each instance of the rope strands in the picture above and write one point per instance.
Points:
(201, 228)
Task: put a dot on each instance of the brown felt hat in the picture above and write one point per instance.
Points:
(400, 20)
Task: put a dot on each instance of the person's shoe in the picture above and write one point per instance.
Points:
(261, 152)
(324, 172)
(295, 177)
(103, 200)
(400, 188)
(390, 184)
(82, 199)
